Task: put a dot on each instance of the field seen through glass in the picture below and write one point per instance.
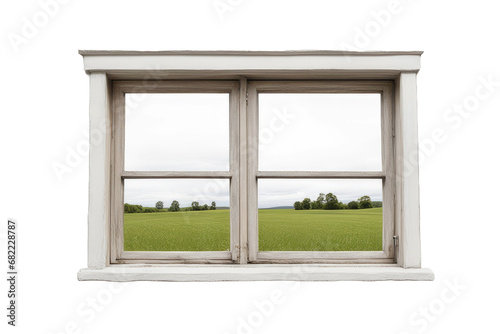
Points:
(279, 230)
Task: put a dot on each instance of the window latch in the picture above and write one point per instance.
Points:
(396, 241)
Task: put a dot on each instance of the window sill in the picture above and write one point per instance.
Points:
(254, 272)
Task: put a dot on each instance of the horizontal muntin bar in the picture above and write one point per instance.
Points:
(176, 175)
(319, 175)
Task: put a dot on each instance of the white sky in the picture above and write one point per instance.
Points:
(320, 132)
(177, 132)
(297, 132)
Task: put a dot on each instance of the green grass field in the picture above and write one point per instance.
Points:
(279, 230)
(320, 230)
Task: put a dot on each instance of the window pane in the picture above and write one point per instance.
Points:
(325, 224)
(182, 132)
(319, 132)
(200, 229)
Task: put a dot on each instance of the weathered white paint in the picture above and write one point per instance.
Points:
(117, 182)
(175, 175)
(319, 175)
(106, 160)
(385, 89)
(120, 88)
(257, 272)
(247, 53)
(252, 124)
(408, 196)
(248, 60)
(175, 255)
(388, 166)
(358, 257)
(234, 166)
(99, 171)
(242, 173)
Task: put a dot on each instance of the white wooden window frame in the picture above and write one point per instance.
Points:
(386, 175)
(119, 174)
(393, 74)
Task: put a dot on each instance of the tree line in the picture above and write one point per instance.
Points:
(174, 207)
(195, 206)
(331, 202)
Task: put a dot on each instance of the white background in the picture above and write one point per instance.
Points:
(44, 106)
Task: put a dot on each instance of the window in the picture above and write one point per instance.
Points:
(342, 132)
(177, 140)
(290, 150)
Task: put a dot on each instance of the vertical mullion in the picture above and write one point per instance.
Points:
(253, 165)
(116, 170)
(388, 183)
(234, 166)
(243, 145)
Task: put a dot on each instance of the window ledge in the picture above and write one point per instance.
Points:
(260, 272)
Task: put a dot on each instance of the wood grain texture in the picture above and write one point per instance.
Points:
(398, 162)
(175, 86)
(342, 255)
(355, 257)
(245, 60)
(388, 165)
(133, 73)
(243, 167)
(120, 89)
(319, 175)
(408, 171)
(176, 175)
(345, 86)
(117, 182)
(257, 272)
(252, 120)
(176, 255)
(234, 166)
(269, 74)
(99, 171)
(385, 88)
(244, 52)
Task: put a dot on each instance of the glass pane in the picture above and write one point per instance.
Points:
(184, 132)
(180, 225)
(338, 216)
(317, 132)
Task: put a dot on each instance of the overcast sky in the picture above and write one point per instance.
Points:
(297, 132)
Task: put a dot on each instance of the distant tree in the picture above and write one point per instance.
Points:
(204, 207)
(331, 206)
(332, 203)
(331, 198)
(306, 204)
(132, 208)
(174, 207)
(213, 206)
(321, 200)
(159, 205)
(365, 202)
(196, 206)
(353, 205)
(316, 205)
(377, 204)
(297, 205)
